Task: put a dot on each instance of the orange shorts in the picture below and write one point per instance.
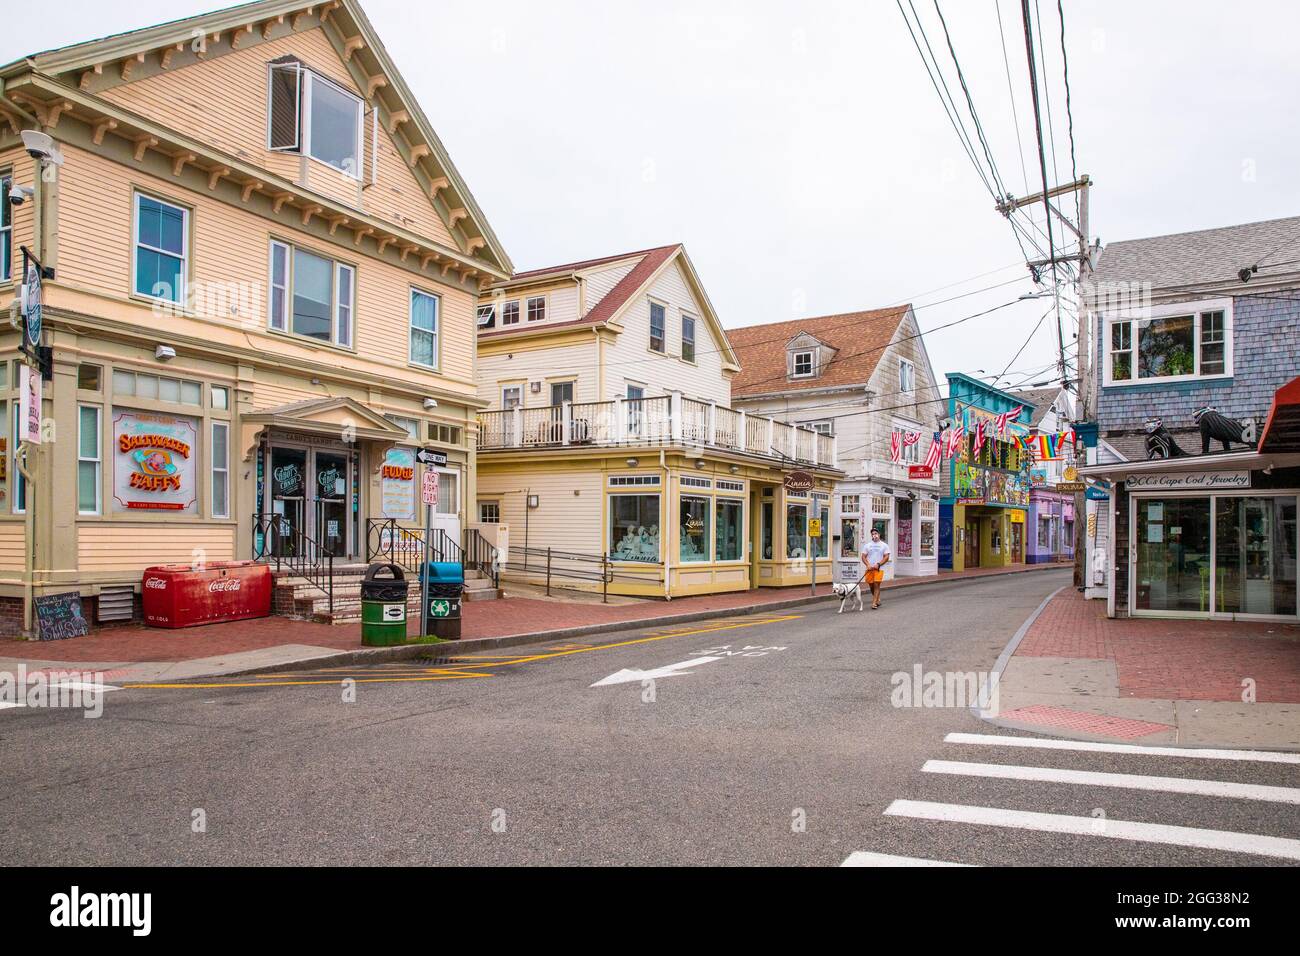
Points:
(875, 577)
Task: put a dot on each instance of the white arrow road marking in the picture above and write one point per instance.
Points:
(862, 858)
(1191, 753)
(1126, 781)
(627, 675)
(1225, 840)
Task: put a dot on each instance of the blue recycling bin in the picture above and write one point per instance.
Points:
(442, 599)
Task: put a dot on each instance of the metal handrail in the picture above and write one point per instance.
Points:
(292, 550)
(387, 539)
(481, 556)
(573, 565)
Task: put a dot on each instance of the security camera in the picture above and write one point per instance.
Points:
(41, 147)
(20, 194)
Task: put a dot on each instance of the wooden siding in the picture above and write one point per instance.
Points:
(558, 363)
(562, 519)
(223, 102)
(111, 546)
(230, 246)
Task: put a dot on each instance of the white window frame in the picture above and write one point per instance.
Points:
(663, 338)
(911, 454)
(528, 308)
(307, 80)
(285, 295)
(1197, 310)
(812, 363)
(517, 387)
(488, 312)
(18, 484)
(6, 232)
(483, 518)
(906, 377)
(180, 301)
(505, 310)
(220, 472)
(689, 319)
(98, 460)
(824, 427)
(436, 333)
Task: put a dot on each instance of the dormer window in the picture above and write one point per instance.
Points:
(805, 364)
(309, 114)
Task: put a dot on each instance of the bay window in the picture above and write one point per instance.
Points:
(311, 295)
(424, 329)
(1186, 342)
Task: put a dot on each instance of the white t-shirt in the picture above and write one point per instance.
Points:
(875, 551)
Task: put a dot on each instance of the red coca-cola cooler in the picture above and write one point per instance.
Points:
(177, 595)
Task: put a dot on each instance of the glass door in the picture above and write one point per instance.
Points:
(1172, 538)
(1254, 542)
(288, 500)
(330, 486)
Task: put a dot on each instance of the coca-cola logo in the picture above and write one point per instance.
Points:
(157, 584)
(224, 584)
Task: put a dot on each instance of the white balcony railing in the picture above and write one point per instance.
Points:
(668, 419)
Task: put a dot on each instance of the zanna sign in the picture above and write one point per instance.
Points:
(1191, 481)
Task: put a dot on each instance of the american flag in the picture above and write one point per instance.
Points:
(1006, 417)
(895, 447)
(979, 439)
(910, 439)
(953, 440)
(932, 459)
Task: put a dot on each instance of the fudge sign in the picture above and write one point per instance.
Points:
(154, 463)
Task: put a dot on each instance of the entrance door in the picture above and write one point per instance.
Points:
(330, 487)
(288, 501)
(971, 547)
(446, 516)
(1017, 543)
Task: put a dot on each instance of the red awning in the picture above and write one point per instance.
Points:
(1282, 430)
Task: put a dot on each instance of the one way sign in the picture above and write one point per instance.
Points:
(426, 457)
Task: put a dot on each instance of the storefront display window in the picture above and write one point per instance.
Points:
(634, 528)
(927, 539)
(730, 530)
(904, 546)
(796, 531)
(693, 529)
(1173, 554)
(849, 537)
(767, 530)
(1255, 555)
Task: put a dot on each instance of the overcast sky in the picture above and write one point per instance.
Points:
(799, 150)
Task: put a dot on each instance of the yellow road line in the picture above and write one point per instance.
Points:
(455, 671)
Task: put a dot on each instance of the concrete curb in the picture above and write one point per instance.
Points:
(440, 653)
(1009, 651)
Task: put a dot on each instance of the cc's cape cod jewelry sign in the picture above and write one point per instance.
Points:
(1190, 481)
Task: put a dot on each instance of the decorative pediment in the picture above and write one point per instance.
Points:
(344, 419)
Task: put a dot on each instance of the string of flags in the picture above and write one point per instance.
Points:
(898, 440)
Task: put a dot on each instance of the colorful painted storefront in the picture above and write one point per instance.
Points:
(1051, 526)
(983, 515)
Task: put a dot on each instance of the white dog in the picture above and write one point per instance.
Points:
(849, 594)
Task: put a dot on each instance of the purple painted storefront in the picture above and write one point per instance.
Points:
(1050, 535)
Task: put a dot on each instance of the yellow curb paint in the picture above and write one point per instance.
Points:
(456, 671)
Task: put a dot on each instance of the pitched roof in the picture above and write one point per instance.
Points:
(860, 337)
(1205, 257)
(613, 301)
(1040, 400)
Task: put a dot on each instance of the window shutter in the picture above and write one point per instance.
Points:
(284, 126)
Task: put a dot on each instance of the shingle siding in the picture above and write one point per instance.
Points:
(1265, 356)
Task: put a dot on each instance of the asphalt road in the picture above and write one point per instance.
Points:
(784, 748)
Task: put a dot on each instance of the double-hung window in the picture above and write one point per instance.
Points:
(1185, 341)
(311, 295)
(906, 377)
(657, 336)
(89, 460)
(512, 396)
(161, 249)
(424, 329)
(537, 308)
(220, 470)
(6, 230)
(688, 339)
(314, 116)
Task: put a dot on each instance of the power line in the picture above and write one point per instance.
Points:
(1069, 113)
(1015, 116)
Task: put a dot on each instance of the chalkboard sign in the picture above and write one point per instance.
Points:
(58, 616)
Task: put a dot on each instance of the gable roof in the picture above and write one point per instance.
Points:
(1208, 258)
(75, 70)
(861, 338)
(1038, 399)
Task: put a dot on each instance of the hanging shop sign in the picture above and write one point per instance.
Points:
(799, 481)
(29, 404)
(1190, 481)
(1017, 517)
(1097, 493)
(920, 471)
(154, 463)
(398, 489)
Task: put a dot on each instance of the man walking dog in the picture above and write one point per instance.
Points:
(875, 555)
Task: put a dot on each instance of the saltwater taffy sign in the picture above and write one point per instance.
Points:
(154, 463)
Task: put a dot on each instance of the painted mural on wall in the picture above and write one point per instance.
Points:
(977, 484)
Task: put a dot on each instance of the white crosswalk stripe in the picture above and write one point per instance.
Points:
(1163, 786)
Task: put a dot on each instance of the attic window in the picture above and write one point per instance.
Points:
(805, 364)
(309, 114)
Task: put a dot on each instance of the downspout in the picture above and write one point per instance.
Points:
(663, 525)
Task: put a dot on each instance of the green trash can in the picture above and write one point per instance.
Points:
(383, 606)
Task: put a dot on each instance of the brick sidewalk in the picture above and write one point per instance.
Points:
(1172, 659)
(509, 616)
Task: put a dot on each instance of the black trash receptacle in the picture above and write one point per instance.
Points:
(383, 606)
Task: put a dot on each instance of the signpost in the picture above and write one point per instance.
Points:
(429, 494)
